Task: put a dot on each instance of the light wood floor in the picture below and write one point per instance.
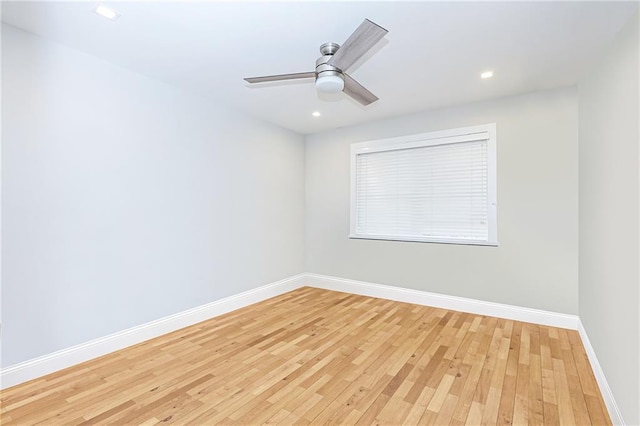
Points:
(316, 356)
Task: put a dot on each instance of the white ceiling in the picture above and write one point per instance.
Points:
(431, 57)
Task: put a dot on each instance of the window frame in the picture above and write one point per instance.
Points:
(464, 134)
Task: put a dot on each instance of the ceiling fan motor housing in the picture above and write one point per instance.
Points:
(329, 79)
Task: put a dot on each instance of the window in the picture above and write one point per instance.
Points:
(432, 187)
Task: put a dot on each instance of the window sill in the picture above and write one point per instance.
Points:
(425, 240)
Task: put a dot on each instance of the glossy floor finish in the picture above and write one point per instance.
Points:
(317, 356)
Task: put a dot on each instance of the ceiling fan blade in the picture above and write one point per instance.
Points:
(281, 77)
(358, 43)
(357, 91)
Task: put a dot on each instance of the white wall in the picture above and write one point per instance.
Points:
(126, 200)
(609, 216)
(536, 264)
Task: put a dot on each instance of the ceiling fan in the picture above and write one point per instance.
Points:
(330, 72)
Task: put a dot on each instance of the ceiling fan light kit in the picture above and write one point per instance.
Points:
(329, 83)
(330, 76)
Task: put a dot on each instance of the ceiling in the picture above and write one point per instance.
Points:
(431, 58)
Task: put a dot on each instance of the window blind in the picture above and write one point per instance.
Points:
(433, 192)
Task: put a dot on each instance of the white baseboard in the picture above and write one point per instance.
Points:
(605, 390)
(436, 300)
(68, 357)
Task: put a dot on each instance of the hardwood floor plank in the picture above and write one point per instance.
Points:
(565, 410)
(507, 397)
(536, 402)
(595, 404)
(475, 357)
(447, 409)
(420, 406)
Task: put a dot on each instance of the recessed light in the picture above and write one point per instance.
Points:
(486, 74)
(316, 114)
(106, 12)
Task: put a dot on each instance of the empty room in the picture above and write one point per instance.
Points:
(320, 212)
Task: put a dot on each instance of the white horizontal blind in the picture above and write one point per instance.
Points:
(431, 192)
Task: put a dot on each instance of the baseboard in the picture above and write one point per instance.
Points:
(68, 357)
(605, 390)
(455, 303)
